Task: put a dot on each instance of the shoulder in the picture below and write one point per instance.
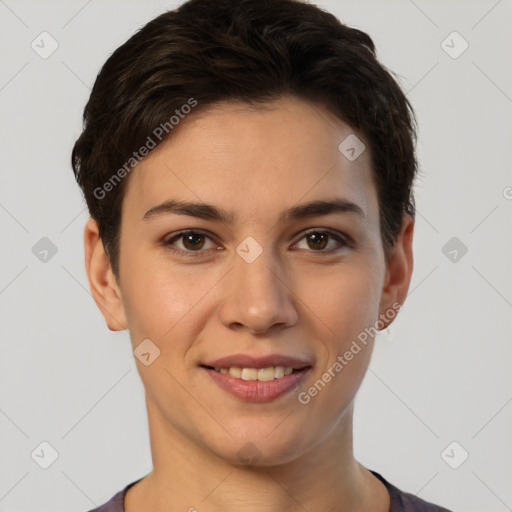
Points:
(116, 503)
(406, 502)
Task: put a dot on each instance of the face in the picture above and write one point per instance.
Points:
(271, 284)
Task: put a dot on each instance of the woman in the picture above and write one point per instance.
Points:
(248, 168)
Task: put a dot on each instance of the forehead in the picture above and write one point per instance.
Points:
(253, 160)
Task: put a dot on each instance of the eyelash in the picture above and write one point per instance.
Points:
(342, 239)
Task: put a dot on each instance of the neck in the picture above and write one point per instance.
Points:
(192, 478)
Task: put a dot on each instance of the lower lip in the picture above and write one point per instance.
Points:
(257, 390)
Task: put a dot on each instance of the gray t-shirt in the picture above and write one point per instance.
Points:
(400, 501)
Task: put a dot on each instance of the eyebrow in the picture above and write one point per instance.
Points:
(210, 212)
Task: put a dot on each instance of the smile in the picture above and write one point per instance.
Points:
(257, 384)
(263, 374)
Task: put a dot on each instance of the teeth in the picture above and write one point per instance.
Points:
(263, 374)
(266, 373)
(235, 372)
(249, 374)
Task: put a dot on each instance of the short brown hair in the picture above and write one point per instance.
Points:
(253, 51)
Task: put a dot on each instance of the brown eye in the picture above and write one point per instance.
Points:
(193, 241)
(189, 243)
(318, 241)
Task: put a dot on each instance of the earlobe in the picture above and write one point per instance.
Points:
(398, 273)
(102, 281)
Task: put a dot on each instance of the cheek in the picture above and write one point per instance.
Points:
(161, 297)
(342, 307)
(154, 304)
(343, 301)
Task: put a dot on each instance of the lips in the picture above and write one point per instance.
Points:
(257, 379)
(248, 361)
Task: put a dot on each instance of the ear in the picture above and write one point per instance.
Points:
(102, 282)
(398, 272)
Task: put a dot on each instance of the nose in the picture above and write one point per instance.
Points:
(257, 296)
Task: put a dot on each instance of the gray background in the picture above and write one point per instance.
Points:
(441, 373)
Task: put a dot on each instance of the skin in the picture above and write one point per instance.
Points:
(296, 298)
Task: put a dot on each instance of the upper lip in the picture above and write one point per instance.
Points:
(248, 361)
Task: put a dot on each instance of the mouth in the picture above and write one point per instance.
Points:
(257, 379)
(261, 374)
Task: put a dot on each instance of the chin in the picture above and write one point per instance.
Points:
(261, 450)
